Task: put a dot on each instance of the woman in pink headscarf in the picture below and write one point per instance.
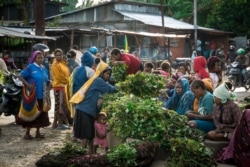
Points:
(200, 67)
(32, 114)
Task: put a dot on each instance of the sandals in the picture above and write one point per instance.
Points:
(28, 137)
(40, 136)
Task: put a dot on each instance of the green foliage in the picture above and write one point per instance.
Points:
(72, 148)
(86, 3)
(123, 155)
(119, 72)
(55, 23)
(71, 5)
(145, 119)
(231, 16)
(143, 85)
(189, 153)
(108, 98)
(59, 157)
(13, 41)
(10, 2)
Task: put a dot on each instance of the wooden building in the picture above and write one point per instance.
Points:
(107, 24)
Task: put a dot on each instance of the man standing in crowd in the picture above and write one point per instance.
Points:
(78, 54)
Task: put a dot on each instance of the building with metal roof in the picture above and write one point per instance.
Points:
(110, 21)
(106, 25)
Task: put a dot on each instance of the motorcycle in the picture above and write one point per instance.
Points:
(11, 95)
(235, 76)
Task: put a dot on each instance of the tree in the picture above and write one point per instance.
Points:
(184, 9)
(9, 2)
(21, 4)
(231, 16)
(71, 5)
(86, 3)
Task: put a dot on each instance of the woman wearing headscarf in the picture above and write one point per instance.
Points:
(215, 70)
(61, 74)
(83, 72)
(182, 99)
(200, 67)
(88, 100)
(238, 150)
(79, 76)
(226, 114)
(34, 76)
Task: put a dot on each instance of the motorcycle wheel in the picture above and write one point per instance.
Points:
(233, 82)
(247, 85)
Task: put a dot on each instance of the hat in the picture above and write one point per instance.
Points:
(222, 92)
(103, 113)
(93, 50)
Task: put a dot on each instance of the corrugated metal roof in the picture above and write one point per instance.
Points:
(169, 22)
(56, 29)
(156, 20)
(151, 34)
(11, 32)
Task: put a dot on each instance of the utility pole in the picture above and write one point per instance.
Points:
(39, 17)
(162, 17)
(195, 24)
(163, 30)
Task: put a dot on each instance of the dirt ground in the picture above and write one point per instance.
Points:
(17, 152)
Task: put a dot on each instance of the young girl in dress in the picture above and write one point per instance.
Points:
(101, 125)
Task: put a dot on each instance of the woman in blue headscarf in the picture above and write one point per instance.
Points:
(82, 73)
(182, 99)
(79, 76)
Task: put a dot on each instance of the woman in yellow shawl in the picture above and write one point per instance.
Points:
(88, 100)
(61, 74)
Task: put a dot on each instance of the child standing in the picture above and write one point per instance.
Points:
(101, 125)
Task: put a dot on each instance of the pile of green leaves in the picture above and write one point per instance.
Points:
(144, 119)
(136, 112)
(122, 155)
(119, 73)
(143, 85)
(189, 153)
(60, 157)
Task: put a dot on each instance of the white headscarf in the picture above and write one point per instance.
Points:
(222, 92)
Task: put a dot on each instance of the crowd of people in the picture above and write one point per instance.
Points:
(79, 81)
(205, 97)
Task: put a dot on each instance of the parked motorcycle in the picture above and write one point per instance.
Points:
(235, 76)
(11, 95)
